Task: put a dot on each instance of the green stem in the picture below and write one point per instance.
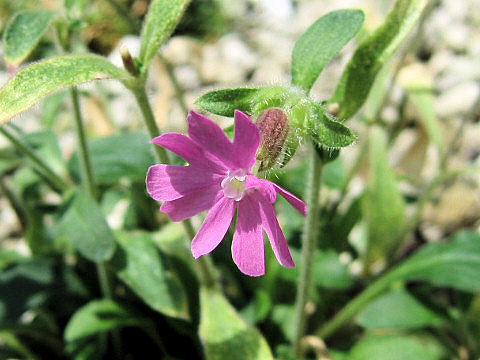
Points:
(204, 265)
(85, 163)
(149, 119)
(15, 203)
(354, 306)
(57, 182)
(308, 249)
(89, 183)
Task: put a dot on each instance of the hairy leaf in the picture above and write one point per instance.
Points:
(328, 132)
(224, 102)
(24, 32)
(319, 44)
(373, 53)
(38, 80)
(162, 18)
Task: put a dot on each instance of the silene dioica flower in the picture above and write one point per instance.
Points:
(219, 179)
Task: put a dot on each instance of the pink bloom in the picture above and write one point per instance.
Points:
(218, 179)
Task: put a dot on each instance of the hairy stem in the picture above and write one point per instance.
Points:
(204, 265)
(309, 238)
(57, 182)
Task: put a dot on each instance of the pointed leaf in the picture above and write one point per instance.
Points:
(224, 334)
(98, 316)
(24, 32)
(373, 53)
(38, 80)
(162, 18)
(383, 207)
(85, 226)
(224, 102)
(139, 264)
(319, 44)
(328, 132)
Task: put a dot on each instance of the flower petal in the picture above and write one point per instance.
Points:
(264, 186)
(247, 245)
(208, 135)
(190, 151)
(169, 182)
(192, 203)
(213, 228)
(274, 233)
(246, 140)
(292, 199)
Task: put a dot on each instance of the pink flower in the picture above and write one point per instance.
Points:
(218, 179)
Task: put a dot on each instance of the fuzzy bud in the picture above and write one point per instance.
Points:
(273, 126)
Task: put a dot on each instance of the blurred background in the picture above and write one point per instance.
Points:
(428, 97)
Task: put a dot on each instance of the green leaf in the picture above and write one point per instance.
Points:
(372, 54)
(162, 18)
(139, 264)
(455, 264)
(24, 32)
(328, 132)
(120, 156)
(98, 316)
(85, 226)
(319, 44)
(224, 102)
(383, 207)
(398, 310)
(423, 100)
(397, 347)
(224, 334)
(38, 80)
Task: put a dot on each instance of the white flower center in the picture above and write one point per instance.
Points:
(234, 184)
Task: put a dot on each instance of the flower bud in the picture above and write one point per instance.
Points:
(273, 127)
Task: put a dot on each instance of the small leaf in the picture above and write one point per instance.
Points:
(138, 264)
(397, 347)
(224, 334)
(38, 80)
(383, 207)
(120, 156)
(398, 310)
(24, 32)
(224, 102)
(373, 53)
(162, 18)
(98, 316)
(328, 132)
(319, 44)
(85, 226)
